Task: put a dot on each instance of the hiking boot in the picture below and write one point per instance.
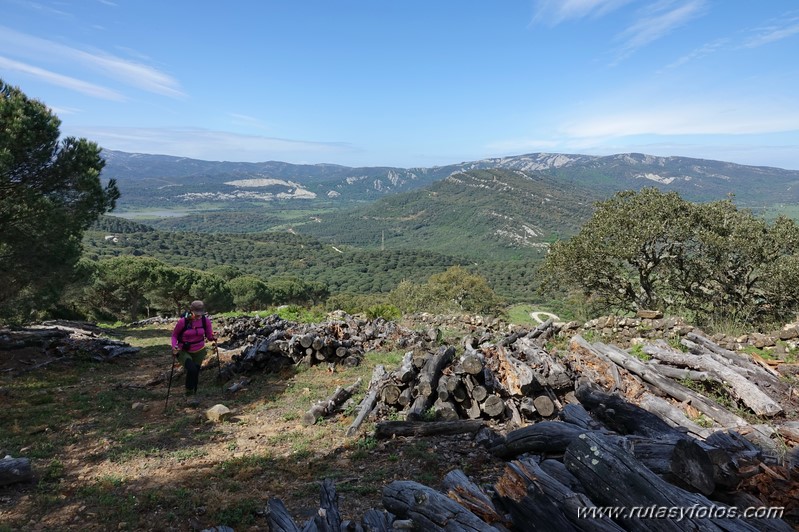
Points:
(192, 400)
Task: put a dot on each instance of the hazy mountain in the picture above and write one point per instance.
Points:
(164, 181)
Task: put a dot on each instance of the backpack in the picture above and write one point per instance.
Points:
(186, 326)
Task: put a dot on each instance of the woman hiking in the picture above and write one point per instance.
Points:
(188, 346)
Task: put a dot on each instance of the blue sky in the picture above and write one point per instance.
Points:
(414, 83)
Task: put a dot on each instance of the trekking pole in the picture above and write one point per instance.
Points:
(218, 366)
(169, 386)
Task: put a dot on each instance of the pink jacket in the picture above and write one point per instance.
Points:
(195, 335)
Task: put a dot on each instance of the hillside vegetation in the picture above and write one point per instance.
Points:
(500, 214)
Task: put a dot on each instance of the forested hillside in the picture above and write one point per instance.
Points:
(481, 214)
(342, 269)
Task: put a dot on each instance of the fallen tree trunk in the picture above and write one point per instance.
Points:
(389, 429)
(469, 495)
(541, 437)
(331, 404)
(368, 402)
(738, 385)
(430, 510)
(613, 477)
(278, 517)
(711, 409)
(522, 475)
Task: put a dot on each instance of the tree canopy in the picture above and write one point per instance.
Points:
(652, 249)
(50, 192)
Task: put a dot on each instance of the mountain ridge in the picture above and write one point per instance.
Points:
(147, 178)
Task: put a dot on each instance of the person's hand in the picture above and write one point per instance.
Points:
(175, 352)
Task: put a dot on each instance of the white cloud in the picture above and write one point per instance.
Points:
(554, 12)
(67, 82)
(775, 32)
(655, 22)
(699, 53)
(210, 145)
(705, 118)
(129, 72)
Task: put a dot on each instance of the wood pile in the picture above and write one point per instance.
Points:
(271, 343)
(596, 426)
(582, 471)
(30, 348)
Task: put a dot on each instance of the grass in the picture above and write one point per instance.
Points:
(100, 464)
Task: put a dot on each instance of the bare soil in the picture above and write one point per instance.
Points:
(108, 455)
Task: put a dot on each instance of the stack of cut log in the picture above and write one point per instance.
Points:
(570, 474)
(58, 341)
(271, 343)
(514, 379)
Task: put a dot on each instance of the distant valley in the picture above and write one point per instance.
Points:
(364, 229)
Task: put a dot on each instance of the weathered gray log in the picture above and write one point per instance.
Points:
(443, 389)
(682, 462)
(13, 470)
(622, 416)
(576, 414)
(471, 408)
(547, 489)
(368, 402)
(613, 477)
(678, 373)
(445, 411)
(428, 381)
(541, 328)
(526, 407)
(512, 413)
(738, 385)
(516, 376)
(462, 490)
(377, 520)
(327, 518)
(472, 363)
(671, 414)
(547, 369)
(331, 404)
(710, 408)
(390, 393)
(493, 406)
(429, 509)
(544, 405)
(278, 517)
(406, 372)
(479, 393)
(541, 437)
(405, 397)
(769, 375)
(389, 429)
(306, 340)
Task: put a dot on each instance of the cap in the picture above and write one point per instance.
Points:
(197, 307)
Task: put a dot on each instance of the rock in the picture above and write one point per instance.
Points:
(649, 314)
(139, 406)
(218, 413)
(789, 332)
